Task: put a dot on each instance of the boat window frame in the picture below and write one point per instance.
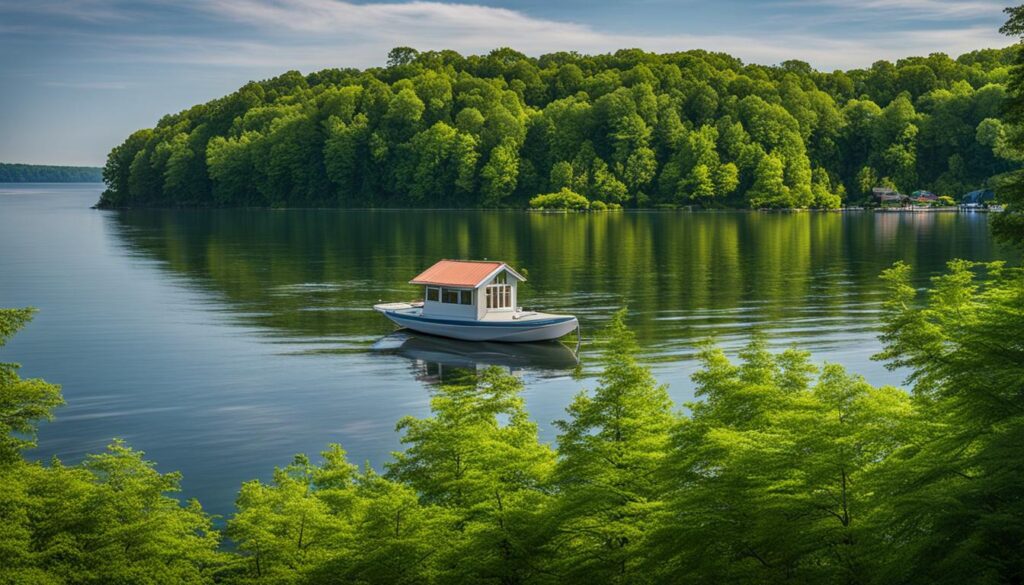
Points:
(447, 298)
(499, 296)
(449, 295)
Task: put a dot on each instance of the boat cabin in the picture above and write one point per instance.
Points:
(468, 289)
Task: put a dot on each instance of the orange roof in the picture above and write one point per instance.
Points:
(461, 273)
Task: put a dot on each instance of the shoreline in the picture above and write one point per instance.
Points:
(558, 211)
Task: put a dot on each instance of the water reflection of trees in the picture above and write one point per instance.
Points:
(315, 273)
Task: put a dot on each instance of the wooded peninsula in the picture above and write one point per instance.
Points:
(638, 129)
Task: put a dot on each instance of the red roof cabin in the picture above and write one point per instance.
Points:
(468, 289)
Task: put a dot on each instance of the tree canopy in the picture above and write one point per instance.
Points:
(439, 129)
(1008, 136)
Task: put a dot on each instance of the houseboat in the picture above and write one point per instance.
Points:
(475, 301)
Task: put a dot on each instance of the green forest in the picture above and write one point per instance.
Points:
(780, 470)
(19, 173)
(637, 129)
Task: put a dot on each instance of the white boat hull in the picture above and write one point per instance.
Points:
(543, 328)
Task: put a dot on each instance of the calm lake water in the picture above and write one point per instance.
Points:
(222, 342)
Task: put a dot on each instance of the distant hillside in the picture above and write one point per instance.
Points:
(18, 173)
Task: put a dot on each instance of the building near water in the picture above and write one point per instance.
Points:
(886, 195)
(977, 198)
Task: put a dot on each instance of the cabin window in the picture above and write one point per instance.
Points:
(450, 296)
(433, 293)
(501, 278)
(455, 296)
(499, 296)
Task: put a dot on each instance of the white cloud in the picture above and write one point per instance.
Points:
(269, 35)
(334, 16)
(315, 34)
(888, 10)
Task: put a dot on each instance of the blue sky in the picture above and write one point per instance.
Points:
(76, 76)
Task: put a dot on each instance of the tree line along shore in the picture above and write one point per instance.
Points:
(632, 129)
(22, 173)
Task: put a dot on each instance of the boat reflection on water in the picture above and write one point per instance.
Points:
(439, 360)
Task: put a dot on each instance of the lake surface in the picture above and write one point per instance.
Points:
(222, 342)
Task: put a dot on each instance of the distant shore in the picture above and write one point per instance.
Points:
(22, 173)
